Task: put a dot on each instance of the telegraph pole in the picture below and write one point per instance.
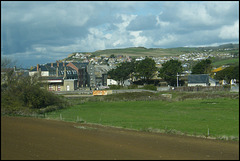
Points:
(177, 79)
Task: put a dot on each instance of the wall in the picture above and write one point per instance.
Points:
(91, 75)
(44, 73)
(70, 84)
(196, 84)
(55, 87)
(201, 88)
(31, 73)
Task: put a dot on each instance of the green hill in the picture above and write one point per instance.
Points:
(141, 51)
(159, 52)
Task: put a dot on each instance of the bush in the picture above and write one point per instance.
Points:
(115, 87)
(227, 86)
(49, 109)
(134, 86)
(24, 95)
(150, 87)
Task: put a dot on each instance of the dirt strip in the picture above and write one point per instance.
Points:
(24, 138)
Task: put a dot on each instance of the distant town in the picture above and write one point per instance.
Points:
(112, 60)
(88, 70)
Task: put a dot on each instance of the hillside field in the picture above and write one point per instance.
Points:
(216, 117)
(161, 52)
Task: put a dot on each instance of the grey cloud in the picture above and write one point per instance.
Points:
(145, 22)
(58, 27)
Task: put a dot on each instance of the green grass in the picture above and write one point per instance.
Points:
(157, 52)
(140, 51)
(191, 117)
(230, 61)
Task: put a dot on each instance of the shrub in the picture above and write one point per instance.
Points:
(49, 109)
(150, 87)
(24, 95)
(133, 86)
(115, 87)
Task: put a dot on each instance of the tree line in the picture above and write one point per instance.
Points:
(146, 69)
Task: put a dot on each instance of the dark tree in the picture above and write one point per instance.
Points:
(169, 71)
(203, 67)
(146, 69)
(122, 72)
(228, 73)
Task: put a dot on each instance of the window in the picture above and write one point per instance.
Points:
(59, 88)
(50, 87)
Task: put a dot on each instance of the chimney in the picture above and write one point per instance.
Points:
(51, 64)
(39, 72)
(65, 73)
(37, 67)
(57, 72)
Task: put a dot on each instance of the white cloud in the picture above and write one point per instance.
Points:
(201, 14)
(166, 40)
(117, 43)
(197, 15)
(40, 49)
(91, 43)
(95, 32)
(126, 21)
(138, 40)
(230, 31)
(161, 23)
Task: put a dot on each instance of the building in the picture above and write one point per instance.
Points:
(101, 75)
(81, 73)
(201, 80)
(91, 75)
(62, 76)
(53, 83)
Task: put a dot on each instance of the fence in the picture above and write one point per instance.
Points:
(201, 88)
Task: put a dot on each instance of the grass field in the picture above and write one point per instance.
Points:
(218, 117)
(141, 51)
(159, 52)
(230, 61)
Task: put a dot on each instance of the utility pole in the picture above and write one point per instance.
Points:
(177, 79)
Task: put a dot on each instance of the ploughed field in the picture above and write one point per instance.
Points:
(32, 138)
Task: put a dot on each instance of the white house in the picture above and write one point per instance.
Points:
(113, 82)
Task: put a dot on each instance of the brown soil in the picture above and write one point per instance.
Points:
(32, 138)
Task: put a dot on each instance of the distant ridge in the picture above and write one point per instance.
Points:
(142, 51)
(161, 52)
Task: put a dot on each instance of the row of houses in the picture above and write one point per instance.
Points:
(62, 76)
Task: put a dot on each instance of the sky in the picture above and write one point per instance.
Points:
(38, 32)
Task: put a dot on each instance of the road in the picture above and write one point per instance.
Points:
(31, 138)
